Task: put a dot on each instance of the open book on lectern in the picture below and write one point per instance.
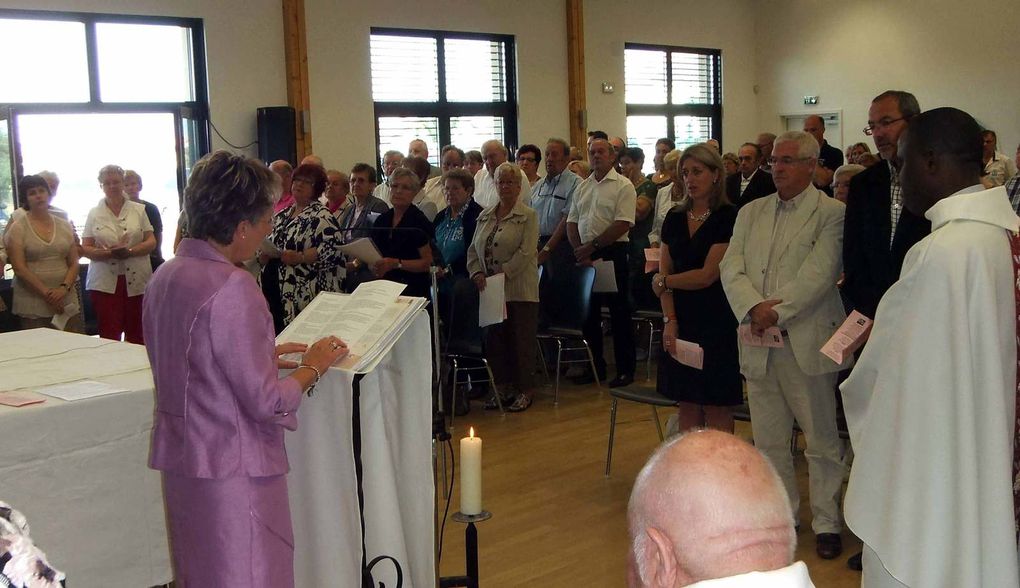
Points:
(370, 321)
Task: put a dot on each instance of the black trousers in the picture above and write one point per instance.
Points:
(619, 313)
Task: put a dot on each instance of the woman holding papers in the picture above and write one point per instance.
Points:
(221, 408)
(406, 246)
(118, 238)
(305, 233)
(695, 235)
(505, 242)
(45, 259)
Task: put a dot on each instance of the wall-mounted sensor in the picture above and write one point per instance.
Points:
(608, 88)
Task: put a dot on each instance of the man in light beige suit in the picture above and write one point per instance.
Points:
(780, 270)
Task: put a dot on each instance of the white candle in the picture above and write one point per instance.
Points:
(471, 474)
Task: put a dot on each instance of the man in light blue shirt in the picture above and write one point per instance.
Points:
(550, 197)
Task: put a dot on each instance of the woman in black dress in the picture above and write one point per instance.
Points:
(405, 247)
(695, 235)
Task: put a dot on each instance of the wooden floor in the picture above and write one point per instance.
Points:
(557, 520)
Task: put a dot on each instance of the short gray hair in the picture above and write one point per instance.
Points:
(807, 146)
(850, 168)
(507, 167)
(499, 144)
(403, 172)
(225, 189)
(561, 143)
(110, 169)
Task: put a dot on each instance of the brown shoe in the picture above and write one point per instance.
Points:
(828, 545)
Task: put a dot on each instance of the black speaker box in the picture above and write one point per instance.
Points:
(277, 138)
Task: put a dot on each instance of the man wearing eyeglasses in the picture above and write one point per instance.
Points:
(750, 182)
(779, 274)
(878, 231)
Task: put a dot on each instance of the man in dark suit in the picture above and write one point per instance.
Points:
(829, 158)
(878, 231)
(750, 181)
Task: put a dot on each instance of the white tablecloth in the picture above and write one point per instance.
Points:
(396, 432)
(77, 470)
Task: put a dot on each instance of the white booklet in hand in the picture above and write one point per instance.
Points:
(689, 354)
(492, 301)
(605, 276)
(363, 249)
(60, 320)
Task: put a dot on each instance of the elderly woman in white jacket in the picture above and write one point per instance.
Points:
(505, 242)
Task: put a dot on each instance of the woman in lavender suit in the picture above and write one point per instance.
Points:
(221, 407)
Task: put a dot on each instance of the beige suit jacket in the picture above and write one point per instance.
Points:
(810, 261)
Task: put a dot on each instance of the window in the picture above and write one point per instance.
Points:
(673, 92)
(445, 88)
(96, 89)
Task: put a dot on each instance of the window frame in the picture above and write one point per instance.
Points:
(669, 110)
(196, 109)
(444, 110)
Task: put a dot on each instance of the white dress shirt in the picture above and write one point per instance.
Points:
(598, 204)
(127, 228)
(792, 576)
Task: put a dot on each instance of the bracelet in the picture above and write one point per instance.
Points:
(318, 376)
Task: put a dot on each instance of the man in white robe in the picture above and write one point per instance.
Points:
(931, 403)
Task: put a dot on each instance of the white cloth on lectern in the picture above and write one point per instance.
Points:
(931, 405)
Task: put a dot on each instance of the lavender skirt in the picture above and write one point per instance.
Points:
(230, 532)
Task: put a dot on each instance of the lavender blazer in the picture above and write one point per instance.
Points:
(220, 405)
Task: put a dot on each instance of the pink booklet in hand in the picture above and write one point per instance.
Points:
(772, 337)
(848, 338)
(17, 399)
(689, 354)
(652, 258)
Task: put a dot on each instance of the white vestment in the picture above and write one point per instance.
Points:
(931, 403)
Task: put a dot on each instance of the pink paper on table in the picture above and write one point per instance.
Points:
(17, 399)
(652, 258)
(772, 337)
(689, 354)
(848, 338)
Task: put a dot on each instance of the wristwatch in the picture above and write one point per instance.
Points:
(400, 264)
(595, 243)
(666, 319)
(546, 249)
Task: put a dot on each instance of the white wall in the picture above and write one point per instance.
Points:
(244, 52)
(948, 53)
(728, 25)
(343, 130)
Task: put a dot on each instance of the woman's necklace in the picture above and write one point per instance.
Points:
(699, 218)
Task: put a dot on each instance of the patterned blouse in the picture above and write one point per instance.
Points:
(313, 227)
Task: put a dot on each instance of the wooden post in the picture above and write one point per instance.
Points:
(576, 90)
(296, 52)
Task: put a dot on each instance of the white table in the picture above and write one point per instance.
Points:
(77, 470)
(396, 433)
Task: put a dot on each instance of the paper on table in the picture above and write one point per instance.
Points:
(492, 301)
(60, 320)
(689, 354)
(772, 337)
(605, 276)
(653, 256)
(17, 399)
(80, 390)
(848, 338)
(363, 249)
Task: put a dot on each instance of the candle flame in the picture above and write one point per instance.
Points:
(472, 432)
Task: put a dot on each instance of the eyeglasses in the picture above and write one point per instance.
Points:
(304, 181)
(745, 158)
(885, 122)
(527, 159)
(773, 161)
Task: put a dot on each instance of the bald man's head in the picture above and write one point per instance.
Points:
(815, 126)
(708, 505)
